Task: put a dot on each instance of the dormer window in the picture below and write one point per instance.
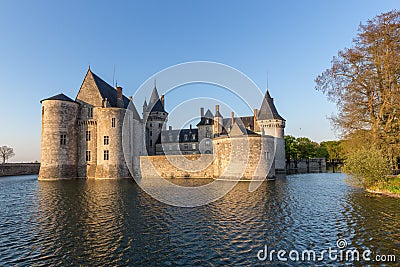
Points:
(186, 137)
(207, 121)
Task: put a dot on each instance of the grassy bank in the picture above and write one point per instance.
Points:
(391, 186)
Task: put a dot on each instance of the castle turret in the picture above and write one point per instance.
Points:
(59, 145)
(218, 122)
(155, 118)
(205, 131)
(272, 124)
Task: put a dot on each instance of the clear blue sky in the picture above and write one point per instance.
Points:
(46, 47)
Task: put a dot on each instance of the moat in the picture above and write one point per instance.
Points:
(115, 223)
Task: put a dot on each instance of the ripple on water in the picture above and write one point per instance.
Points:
(114, 223)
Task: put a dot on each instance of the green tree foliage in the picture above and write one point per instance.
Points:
(334, 150)
(304, 148)
(307, 148)
(291, 149)
(367, 167)
(364, 82)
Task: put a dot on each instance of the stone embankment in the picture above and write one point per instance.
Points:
(9, 169)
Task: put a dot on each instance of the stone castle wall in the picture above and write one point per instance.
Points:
(177, 166)
(306, 166)
(58, 160)
(249, 158)
(245, 157)
(115, 166)
(10, 169)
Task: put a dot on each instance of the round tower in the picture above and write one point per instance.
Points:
(59, 146)
(273, 124)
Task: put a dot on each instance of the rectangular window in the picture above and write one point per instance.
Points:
(185, 146)
(113, 122)
(160, 125)
(208, 135)
(151, 125)
(63, 139)
(88, 156)
(106, 140)
(193, 136)
(193, 146)
(170, 147)
(208, 143)
(170, 138)
(186, 137)
(106, 155)
(88, 136)
(151, 133)
(90, 113)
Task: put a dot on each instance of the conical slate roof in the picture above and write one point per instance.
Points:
(268, 110)
(61, 97)
(155, 102)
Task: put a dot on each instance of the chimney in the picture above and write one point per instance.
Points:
(119, 92)
(233, 117)
(202, 112)
(216, 110)
(162, 100)
(170, 128)
(190, 127)
(255, 114)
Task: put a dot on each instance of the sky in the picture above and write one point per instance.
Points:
(47, 46)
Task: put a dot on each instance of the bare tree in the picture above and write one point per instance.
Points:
(6, 153)
(364, 82)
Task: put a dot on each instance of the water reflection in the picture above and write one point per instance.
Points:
(115, 223)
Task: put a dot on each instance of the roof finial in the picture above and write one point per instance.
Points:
(89, 67)
(155, 83)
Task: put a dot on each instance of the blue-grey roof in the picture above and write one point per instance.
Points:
(208, 116)
(61, 97)
(268, 110)
(107, 91)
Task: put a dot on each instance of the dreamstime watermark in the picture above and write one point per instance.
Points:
(339, 253)
(173, 78)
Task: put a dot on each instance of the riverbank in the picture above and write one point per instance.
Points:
(390, 188)
(385, 193)
(10, 169)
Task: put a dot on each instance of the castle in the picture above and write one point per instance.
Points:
(100, 134)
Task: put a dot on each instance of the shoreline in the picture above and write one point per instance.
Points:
(384, 193)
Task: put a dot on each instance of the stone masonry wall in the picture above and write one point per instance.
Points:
(177, 166)
(10, 169)
(249, 159)
(58, 160)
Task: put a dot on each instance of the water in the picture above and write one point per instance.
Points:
(115, 223)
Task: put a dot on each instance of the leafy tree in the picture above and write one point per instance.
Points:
(6, 153)
(321, 152)
(307, 148)
(367, 167)
(364, 81)
(291, 147)
(334, 149)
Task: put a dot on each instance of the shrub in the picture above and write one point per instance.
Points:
(368, 167)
